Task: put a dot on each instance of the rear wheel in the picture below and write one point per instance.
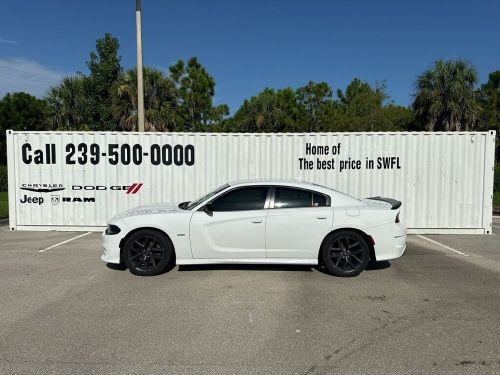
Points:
(147, 252)
(345, 253)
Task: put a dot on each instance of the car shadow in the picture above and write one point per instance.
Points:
(374, 266)
(123, 267)
(246, 267)
(116, 267)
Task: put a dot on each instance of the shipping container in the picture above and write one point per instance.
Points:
(79, 180)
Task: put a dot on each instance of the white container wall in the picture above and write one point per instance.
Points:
(79, 180)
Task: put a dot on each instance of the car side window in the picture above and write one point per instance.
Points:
(242, 199)
(320, 200)
(285, 197)
(292, 198)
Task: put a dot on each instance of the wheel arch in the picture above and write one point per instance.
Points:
(367, 238)
(135, 230)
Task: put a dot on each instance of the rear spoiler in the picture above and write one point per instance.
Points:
(393, 202)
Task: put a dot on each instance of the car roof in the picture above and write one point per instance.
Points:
(292, 183)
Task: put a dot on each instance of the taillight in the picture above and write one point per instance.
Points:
(397, 218)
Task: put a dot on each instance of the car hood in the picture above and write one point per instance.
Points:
(150, 209)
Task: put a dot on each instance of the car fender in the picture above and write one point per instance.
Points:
(175, 226)
(358, 218)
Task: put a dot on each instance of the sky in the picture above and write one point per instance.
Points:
(249, 45)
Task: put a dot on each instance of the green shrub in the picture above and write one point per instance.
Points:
(4, 185)
(496, 198)
(4, 205)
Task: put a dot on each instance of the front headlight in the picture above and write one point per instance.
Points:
(112, 229)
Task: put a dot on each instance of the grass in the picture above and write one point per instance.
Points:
(4, 205)
(496, 198)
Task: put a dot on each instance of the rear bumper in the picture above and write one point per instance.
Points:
(390, 241)
(396, 251)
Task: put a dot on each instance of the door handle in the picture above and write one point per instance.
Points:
(321, 217)
(257, 221)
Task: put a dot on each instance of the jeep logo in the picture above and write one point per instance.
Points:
(33, 200)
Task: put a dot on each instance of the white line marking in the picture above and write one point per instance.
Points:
(63, 242)
(250, 316)
(496, 226)
(442, 245)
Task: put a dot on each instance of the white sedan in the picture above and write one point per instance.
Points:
(259, 222)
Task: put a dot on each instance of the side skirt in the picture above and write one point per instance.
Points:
(247, 261)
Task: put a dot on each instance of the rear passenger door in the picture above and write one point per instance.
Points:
(297, 223)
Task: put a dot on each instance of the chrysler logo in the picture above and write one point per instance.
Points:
(42, 188)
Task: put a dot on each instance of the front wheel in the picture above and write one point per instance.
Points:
(345, 253)
(147, 253)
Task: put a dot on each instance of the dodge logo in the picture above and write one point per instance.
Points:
(134, 188)
(129, 189)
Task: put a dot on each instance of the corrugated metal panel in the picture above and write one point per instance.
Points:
(444, 179)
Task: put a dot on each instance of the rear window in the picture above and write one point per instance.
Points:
(319, 200)
(286, 197)
(292, 198)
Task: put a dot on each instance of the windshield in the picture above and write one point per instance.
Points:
(196, 202)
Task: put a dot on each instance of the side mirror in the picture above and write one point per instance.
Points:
(209, 209)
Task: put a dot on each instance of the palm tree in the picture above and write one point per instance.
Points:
(159, 101)
(69, 104)
(445, 98)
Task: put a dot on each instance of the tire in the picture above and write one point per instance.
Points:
(147, 252)
(345, 253)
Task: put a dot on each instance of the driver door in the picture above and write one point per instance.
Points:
(234, 228)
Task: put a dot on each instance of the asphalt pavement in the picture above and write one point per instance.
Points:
(432, 311)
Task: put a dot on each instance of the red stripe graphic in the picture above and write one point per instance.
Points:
(131, 188)
(137, 188)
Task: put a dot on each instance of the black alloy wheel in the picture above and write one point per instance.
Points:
(147, 253)
(345, 253)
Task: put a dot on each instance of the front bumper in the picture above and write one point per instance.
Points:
(111, 248)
